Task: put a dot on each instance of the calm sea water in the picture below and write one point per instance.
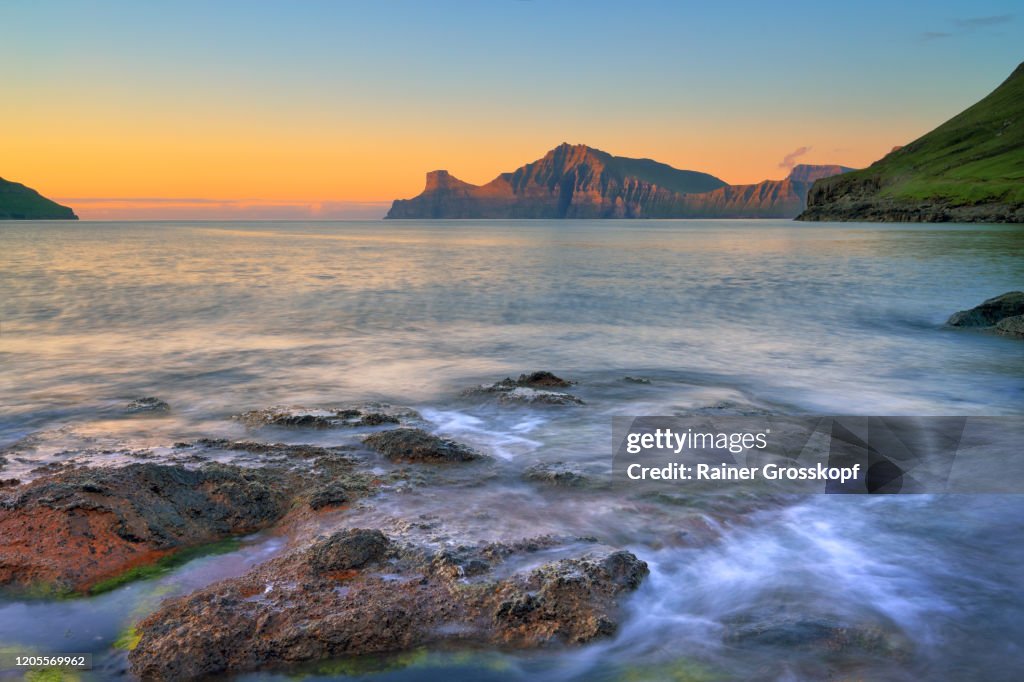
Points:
(217, 318)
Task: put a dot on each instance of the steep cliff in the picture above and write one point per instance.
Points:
(576, 181)
(969, 169)
(570, 181)
(768, 199)
(18, 202)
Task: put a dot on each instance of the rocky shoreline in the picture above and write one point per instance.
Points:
(356, 570)
(358, 591)
(78, 530)
(842, 199)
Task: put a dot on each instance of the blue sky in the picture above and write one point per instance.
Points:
(355, 100)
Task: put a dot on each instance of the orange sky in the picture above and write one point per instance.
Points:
(250, 163)
(332, 109)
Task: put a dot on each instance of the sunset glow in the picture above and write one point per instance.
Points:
(332, 110)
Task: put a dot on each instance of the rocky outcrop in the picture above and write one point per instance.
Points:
(863, 199)
(990, 312)
(373, 414)
(1011, 326)
(570, 181)
(967, 170)
(416, 445)
(18, 202)
(534, 388)
(1005, 313)
(576, 181)
(358, 591)
(784, 198)
(147, 405)
(68, 531)
(558, 474)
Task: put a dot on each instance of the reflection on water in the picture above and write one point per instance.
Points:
(216, 319)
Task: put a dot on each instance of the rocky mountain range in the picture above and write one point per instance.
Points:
(577, 181)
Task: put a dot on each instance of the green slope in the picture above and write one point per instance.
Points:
(974, 159)
(18, 202)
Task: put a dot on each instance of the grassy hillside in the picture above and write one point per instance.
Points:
(18, 202)
(974, 159)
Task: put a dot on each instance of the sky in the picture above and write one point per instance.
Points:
(249, 109)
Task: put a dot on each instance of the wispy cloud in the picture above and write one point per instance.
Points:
(978, 22)
(789, 160)
(201, 208)
(968, 24)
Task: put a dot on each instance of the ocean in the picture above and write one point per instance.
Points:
(216, 318)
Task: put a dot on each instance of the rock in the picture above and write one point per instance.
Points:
(989, 313)
(636, 380)
(557, 474)
(728, 408)
(359, 592)
(416, 445)
(529, 389)
(536, 396)
(348, 550)
(576, 181)
(791, 632)
(333, 494)
(1011, 326)
(541, 380)
(280, 450)
(373, 414)
(75, 528)
(147, 404)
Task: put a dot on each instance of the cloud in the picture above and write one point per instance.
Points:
(968, 25)
(174, 208)
(978, 22)
(789, 160)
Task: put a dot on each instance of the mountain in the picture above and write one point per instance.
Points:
(969, 169)
(18, 202)
(570, 181)
(768, 199)
(577, 181)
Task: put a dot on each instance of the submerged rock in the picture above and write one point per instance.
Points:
(990, 312)
(784, 631)
(282, 450)
(1011, 326)
(360, 592)
(531, 388)
(557, 474)
(636, 380)
(537, 396)
(416, 445)
(147, 404)
(72, 529)
(372, 414)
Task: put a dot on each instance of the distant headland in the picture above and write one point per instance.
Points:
(968, 170)
(577, 181)
(18, 202)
